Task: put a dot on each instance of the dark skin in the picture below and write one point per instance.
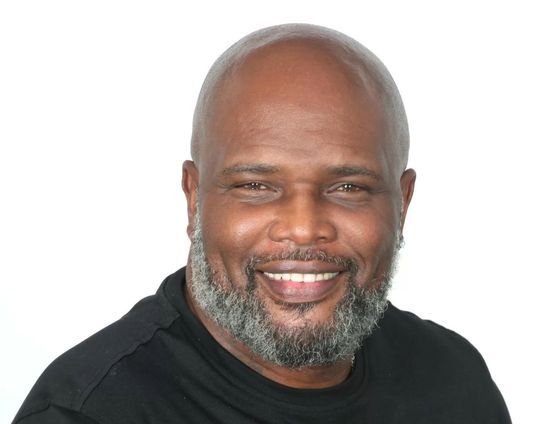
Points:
(296, 153)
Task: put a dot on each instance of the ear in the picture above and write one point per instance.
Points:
(190, 186)
(407, 189)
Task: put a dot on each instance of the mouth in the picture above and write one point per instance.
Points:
(300, 277)
(301, 282)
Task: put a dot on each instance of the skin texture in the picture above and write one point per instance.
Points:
(299, 144)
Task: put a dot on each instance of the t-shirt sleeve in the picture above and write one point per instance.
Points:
(54, 414)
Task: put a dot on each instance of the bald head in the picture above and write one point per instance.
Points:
(301, 66)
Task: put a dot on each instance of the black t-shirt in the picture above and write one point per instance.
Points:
(158, 364)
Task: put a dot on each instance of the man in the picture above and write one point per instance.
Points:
(297, 196)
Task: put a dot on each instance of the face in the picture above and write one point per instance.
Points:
(297, 205)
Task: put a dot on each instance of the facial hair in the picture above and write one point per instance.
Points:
(245, 316)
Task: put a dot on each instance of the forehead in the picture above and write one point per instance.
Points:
(295, 100)
(301, 142)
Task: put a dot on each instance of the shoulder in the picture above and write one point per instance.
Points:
(413, 330)
(432, 368)
(429, 344)
(69, 380)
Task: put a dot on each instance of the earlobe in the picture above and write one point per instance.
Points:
(190, 185)
(407, 182)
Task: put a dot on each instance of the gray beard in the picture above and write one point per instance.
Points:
(244, 315)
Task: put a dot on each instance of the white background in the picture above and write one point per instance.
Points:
(96, 101)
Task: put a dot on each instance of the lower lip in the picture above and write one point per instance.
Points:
(295, 292)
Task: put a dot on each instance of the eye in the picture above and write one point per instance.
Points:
(348, 187)
(349, 192)
(253, 192)
(352, 188)
(254, 186)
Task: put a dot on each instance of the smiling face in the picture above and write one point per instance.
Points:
(298, 188)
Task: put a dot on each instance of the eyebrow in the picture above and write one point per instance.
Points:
(264, 169)
(347, 171)
(251, 168)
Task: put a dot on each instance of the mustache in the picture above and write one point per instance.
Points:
(348, 264)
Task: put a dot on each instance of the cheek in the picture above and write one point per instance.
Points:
(371, 237)
(373, 250)
(373, 229)
(232, 233)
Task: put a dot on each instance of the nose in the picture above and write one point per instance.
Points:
(303, 220)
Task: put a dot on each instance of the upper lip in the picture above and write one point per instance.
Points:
(299, 267)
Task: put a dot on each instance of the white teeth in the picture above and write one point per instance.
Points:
(302, 278)
(309, 278)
